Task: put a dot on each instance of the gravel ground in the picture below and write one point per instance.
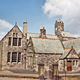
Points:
(23, 71)
(16, 79)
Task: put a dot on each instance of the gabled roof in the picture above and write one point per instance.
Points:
(67, 52)
(37, 35)
(10, 31)
(47, 45)
(74, 42)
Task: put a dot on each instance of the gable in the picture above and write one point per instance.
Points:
(72, 54)
(30, 50)
(30, 47)
(73, 42)
(15, 29)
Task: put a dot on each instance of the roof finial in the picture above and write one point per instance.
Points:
(15, 23)
(25, 20)
(71, 47)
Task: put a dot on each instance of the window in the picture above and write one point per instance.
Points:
(27, 39)
(73, 62)
(8, 57)
(16, 34)
(19, 57)
(14, 56)
(19, 44)
(14, 41)
(76, 62)
(13, 34)
(9, 41)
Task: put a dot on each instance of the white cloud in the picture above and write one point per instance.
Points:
(5, 27)
(4, 24)
(69, 10)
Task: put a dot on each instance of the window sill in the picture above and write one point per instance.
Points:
(19, 63)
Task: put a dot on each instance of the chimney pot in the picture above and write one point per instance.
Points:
(25, 28)
(42, 27)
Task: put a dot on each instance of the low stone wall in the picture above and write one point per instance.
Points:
(77, 77)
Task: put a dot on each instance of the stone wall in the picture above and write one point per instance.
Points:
(70, 77)
(6, 49)
(46, 59)
(61, 66)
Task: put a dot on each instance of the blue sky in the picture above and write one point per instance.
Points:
(39, 13)
(30, 10)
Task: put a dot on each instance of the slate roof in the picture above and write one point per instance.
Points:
(66, 51)
(37, 35)
(47, 45)
(66, 34)
(74, 42)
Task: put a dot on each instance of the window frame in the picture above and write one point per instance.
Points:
(9, 41)
(8, 57)
(14, 34)
(14, 58)
(15, 43)
(19, 57)
(19, 41)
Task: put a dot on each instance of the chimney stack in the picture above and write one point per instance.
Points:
(25, 28)
(43, 32)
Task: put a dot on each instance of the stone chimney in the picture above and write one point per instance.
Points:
(42, 32)
(25, 28)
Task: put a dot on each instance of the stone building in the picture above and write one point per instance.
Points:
(70, 60)
(31, 51)
(59, 31)
(12, 49)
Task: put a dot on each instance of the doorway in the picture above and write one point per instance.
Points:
(69, 65)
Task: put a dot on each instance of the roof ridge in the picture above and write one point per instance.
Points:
(39, 33)
(32, 33)
(67, 48)
(44, 38)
